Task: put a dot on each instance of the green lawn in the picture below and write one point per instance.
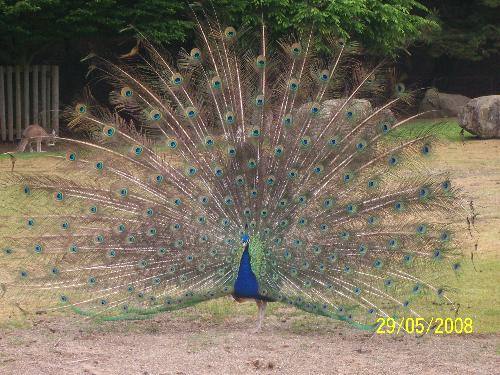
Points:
(444, 129)
(30, 155)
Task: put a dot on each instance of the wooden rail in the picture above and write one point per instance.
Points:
(28, 95)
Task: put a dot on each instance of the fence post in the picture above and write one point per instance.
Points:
(34, 108)
(49, 106)
(44, 96)
(3, 125)
(55, 98)
(10, 105)
(26, 92)
(18, 102)
(26, 98)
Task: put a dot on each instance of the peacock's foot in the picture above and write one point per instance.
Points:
(257, 329)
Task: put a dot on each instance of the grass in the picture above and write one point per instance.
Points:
(477, 293)
(477, 287)
(31, 155)
(444, 129)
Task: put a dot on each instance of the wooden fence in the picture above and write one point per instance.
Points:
(28, 95)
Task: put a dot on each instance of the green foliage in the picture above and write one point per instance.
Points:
(382, 26)
(29, 27)
(470, 29)
(32, 26)
(461, 29)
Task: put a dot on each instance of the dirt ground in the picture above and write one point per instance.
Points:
(179, 345)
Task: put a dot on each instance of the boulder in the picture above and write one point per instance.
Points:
(481, 116)
(359, 108)
(355, 110)
(388, 116)
(444, 105)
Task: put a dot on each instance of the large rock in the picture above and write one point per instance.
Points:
(444, 105)
(481, 116)
(388, 116)
(360, 108)
(355, 109)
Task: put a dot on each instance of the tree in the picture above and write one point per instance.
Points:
(30, 27)
(470, 29)
(382, 26)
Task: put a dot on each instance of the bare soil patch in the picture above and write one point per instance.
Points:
(180, 345)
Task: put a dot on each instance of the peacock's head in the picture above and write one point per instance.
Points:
(245, 238)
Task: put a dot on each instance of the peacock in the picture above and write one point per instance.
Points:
(272, 172)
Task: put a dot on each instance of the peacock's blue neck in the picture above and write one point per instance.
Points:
(246, 285)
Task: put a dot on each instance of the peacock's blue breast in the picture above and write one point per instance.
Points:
(246, 285)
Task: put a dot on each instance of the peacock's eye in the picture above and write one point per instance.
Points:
(230, 32)
(195, 54)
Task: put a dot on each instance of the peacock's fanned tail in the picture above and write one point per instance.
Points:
(344, 218)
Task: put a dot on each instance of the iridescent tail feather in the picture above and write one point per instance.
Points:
(345, 218)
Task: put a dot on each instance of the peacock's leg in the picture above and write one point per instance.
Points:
(262, 309)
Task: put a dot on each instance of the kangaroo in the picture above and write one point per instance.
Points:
(35, 133)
